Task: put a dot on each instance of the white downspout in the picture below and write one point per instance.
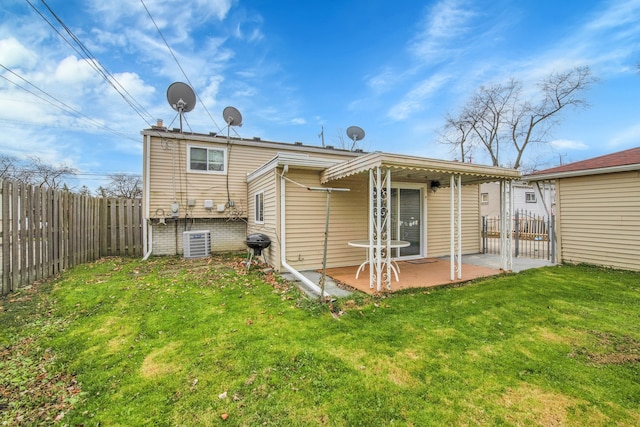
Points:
(147, 233)
(283, 238)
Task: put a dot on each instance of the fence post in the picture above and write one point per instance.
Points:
(517, 232)
(484, 234)
(552, 237)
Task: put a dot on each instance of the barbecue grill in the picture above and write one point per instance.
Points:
(258, 242)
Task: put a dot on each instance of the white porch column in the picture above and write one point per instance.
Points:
(455, 203)
(379, 235)
(506, 225)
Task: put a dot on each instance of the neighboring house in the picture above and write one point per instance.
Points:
(597, 211)
(537, 199)
(234, 187)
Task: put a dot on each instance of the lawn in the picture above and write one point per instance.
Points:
(175, 342)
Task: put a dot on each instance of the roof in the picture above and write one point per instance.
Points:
(418, 169)
(620, 161)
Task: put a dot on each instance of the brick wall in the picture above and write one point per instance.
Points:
(225, 235)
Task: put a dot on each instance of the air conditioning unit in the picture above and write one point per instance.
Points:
(197, 244)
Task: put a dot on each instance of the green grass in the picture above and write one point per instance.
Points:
(121, 342)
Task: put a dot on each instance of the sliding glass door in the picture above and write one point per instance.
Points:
(406, 220)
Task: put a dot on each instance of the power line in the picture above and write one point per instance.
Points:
(179, 66)
(94, 63)
(68, 109)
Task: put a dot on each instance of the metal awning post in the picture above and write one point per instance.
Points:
(506, 225)
(323, 277)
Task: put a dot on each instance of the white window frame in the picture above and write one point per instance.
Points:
(530, 197)
(484, 198)
(209, 172)
(258, 208)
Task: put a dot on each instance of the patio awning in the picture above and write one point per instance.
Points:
(419, 169)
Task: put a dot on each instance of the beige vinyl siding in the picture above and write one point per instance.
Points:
(599, 220)
(439, 221)
(169, 171)
(268, 184)
(305, 221)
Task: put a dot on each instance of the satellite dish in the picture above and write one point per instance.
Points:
(232, 116)
(355, 133)
(181, 97)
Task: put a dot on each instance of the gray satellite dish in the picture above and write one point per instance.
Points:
(181, 98)
(232, 116)
(355, 133)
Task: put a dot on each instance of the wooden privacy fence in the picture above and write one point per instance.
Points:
(44, 232)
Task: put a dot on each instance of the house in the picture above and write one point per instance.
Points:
(232, 187)
(598, 201)
(535, 198)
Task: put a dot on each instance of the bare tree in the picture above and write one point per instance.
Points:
(7, 167)
(41, 174)
(457, 132)
(498, 117)
(34, 171)
(122, 185)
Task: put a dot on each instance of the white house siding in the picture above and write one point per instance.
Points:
(305, 221)
(439, 221)
(599, 221)
(268, 183)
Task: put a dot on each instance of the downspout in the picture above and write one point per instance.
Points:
(147, 233)
(283, 238)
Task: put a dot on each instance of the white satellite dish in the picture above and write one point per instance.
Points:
(181, 98)
(356, 134)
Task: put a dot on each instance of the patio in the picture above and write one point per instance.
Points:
(429, 272)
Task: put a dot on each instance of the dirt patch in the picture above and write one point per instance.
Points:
(609, 349)
(530, 405)
(161, 362)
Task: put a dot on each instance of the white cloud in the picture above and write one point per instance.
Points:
(14, 54)
(71, 70)
(568, 144)
(626, 137)
(414, 100)
(446, 22)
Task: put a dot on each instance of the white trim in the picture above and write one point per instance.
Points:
(293, 160)
(208, 172)
(146, 231)
(255, 208)
(582, 172)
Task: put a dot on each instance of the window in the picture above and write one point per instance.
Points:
(259, 208)
(207, 160)
(530, 197)
(484, 198)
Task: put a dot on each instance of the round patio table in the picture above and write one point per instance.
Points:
(393, 244)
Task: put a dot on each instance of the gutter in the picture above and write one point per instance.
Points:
(581, 172)
(283, 252)
(147, 232)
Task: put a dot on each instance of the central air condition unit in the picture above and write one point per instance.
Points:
(197, 244)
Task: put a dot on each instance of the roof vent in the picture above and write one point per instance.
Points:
(297, 143)
(256, 138)
(329, 146)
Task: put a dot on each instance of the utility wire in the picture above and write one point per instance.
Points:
(179, 66)
(67, 108)
(94, 63)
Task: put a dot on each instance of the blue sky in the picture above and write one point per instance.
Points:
(292, 67)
